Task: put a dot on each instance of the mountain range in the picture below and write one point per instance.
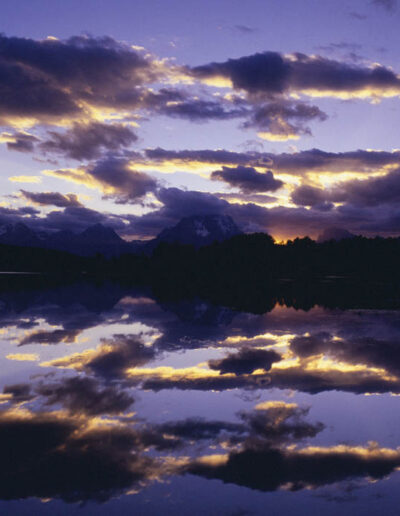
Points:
(197, 230)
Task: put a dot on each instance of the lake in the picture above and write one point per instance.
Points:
(113, 402)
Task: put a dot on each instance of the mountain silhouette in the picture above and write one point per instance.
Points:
(98, 239)
(93, 240)
(198, 231)
(334, 233)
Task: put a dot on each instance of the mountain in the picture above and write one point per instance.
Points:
(100, 234)
(19, 234)
(93, 240)
(198, 230)
(334, 233)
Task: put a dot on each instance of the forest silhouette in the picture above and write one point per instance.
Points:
(247, 272)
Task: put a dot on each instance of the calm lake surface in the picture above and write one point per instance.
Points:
(114, 403)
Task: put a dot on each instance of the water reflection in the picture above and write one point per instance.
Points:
(110, 396)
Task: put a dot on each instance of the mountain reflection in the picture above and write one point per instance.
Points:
(106, 393)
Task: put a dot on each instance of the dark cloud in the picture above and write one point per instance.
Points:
(306, 195)
(206, 156)
(52, 456)
(127, 185)
(365, 193)
(312, 380)
(357, 16)
(281, 220)
(259, 72)
(245, 361)
(369, 351)
(296, 163)
(53, 78)
(198, 110)
(112, 358)
(248, 179)
(271, 73)
(376, 215)
(176, 205)
(245, 29)
(278, 422)
(197, 429)
(20, 141)
(124, 351)
(88, 141)
(274, 422)
(20, 392)
(371, 192)
(75, 218)
(265, 462)
(50, 337)
(343, 45)
(284, 120)
(52, 199)
(271, 469)
(183, 381)
(389, 5)
(85, 395)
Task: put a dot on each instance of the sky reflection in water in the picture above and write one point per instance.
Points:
(113, 402)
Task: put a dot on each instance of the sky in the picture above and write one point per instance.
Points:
(134, 114)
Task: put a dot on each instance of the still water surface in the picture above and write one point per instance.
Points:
(112, 403)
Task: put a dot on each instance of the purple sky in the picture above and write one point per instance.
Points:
(135, 114)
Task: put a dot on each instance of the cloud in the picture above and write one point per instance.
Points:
(176, 205)
(245, 29)
(51, 79)
(50, 337)
(370, 192)
(110, 359)
(357, 16)
(84, 395)
(389, 5)
(306, 195)
(248, 179)
(245, 361)
(89, 141)
(311, 376)
(127, 184)
(19, 392)
(52, 199)
(273, 74)
(64, 82)
(284, 120)
(296, 163)
(269, 458)
(25, 179)
(280, 220)
(196, 429)
(372, 352)
(112, 175)
(23, 357)
(271, 469)
(19, 141)
(54, 456)
(279, 422)
(73, 218)
(272, 422)
(198, 110)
